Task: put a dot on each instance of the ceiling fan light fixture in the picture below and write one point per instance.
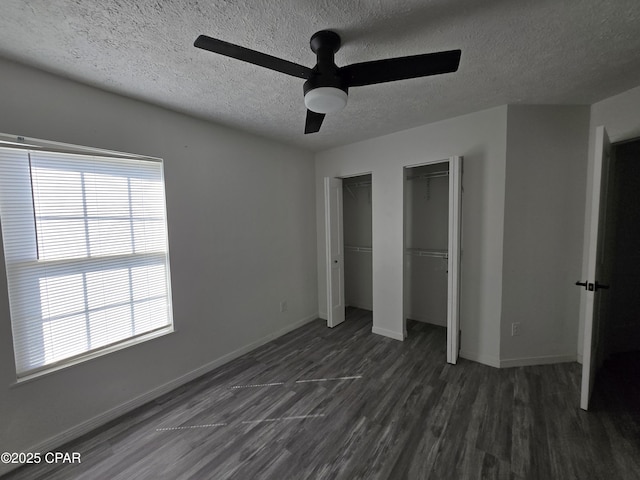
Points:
(325, 99)
(326, 86)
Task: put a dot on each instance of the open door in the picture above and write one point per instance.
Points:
(334, 256)
(453, 263)
(594, 306)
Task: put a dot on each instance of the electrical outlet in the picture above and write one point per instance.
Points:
(283, 306)
(515, 329)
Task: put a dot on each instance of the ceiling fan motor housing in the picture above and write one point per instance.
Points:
(325, 91)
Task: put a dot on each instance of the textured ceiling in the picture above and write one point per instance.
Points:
(513, 51)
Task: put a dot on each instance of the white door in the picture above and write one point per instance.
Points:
(334, 255)
(594, 290)
(453, 291)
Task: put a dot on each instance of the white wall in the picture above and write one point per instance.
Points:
(619, 114)
(242, 238)
(544, 211)
(479, 137)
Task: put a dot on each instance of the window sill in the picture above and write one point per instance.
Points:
(95, 354)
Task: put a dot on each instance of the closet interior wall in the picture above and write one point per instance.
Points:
(358, 265)
(426, 241)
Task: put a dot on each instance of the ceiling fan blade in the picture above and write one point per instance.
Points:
(314, 121)
(251, 56)
(401, 68)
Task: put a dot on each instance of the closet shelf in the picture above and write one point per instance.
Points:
(443, 173)
(350, 248)
(349, 186)
(356, 185)
(421, 252)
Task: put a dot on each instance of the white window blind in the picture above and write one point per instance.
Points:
(85, 247)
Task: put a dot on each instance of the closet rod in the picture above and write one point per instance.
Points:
(348, 186)
(351, 248)
(444, 173)
(419, 252)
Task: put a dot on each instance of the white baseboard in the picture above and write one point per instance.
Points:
(480, 358)
(423, 319)
(543, 360)
(85, 427)
(517, 362)
(388, 333)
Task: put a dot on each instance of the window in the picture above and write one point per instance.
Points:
(85, 246)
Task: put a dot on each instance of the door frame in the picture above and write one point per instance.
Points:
(454, 252)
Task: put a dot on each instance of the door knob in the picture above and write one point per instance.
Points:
(600, 286)
(582, 284)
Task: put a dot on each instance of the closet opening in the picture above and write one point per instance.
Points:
(432, 216)
(357, 233)
(618, 345)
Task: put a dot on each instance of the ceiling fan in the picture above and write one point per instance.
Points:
(327, 85)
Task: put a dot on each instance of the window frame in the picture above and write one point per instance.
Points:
(84, 264)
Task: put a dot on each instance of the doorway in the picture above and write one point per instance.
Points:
(348, 229)
(611, 325)
(622, 332)
(617, 348)
(357, 233)
(426, 215)
(432, 218)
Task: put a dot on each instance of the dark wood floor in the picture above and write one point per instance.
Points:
(406, 415)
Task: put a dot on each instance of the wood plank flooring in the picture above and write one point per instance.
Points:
(292, 410)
